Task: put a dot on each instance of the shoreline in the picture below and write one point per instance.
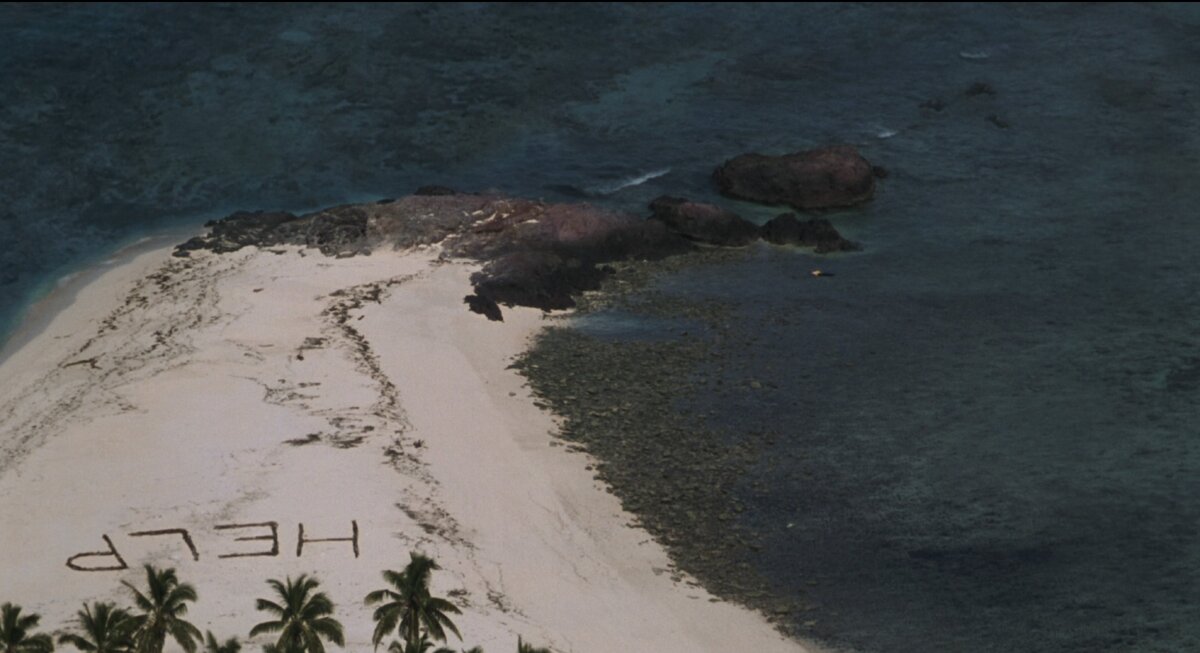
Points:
(420, 426)
(38, 313)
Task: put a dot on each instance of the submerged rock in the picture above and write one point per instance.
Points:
(704, 223)
(979, 88)
(828, 177)
(435, 190)
(819, 233)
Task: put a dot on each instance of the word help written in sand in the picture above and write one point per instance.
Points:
(111, 560)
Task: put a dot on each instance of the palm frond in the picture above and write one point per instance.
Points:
(185, 634)
(278, 587)
(269, 606)
(393, 577)
(40, 643)
(29, 621)
(303, 616)
(15, 632)
(312, 643)
(318, 605)
(181, 593)
(523, 647)
(140, 599)
(330, 629)
(445, 622)
(385, 621)
(267, 627)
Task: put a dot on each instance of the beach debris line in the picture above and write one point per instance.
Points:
(111, 559)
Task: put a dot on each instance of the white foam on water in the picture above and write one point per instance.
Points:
(631, 182)
(881, 132)
(983, 52)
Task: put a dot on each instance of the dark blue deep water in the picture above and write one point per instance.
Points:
(989, 419)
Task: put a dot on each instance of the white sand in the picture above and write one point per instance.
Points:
(188, 378)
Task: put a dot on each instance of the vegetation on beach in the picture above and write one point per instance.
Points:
(105, 629)
(211, 645)
(163, 607)
(301, 616)
(408, 607)
(16, 632)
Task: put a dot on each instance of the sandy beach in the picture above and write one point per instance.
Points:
(280, 392)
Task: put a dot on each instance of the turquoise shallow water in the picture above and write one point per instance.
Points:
(989, 412)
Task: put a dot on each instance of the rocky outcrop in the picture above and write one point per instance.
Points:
(534, 253)
(340, 231)
(828, 177)
(541, 279)
(242, 229)
(817, 233)
(435, 190)
(703, 223)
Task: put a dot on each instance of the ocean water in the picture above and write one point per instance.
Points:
(987, 418)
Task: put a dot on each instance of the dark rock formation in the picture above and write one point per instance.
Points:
(541, 279)
(485, 307)
(535, 253)
(435, 190)
(979, 88)
(571, 230)
(936, 104)
(998, 121)
(239, 230)
(340, 231)
(704, 223)
(827, 177)
(818, 233)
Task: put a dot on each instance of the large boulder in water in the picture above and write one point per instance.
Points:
(823, 178)
(818, 233)
(704, 223)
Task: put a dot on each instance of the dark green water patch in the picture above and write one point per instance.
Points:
(623, 401)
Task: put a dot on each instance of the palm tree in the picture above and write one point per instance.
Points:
(302, 619)
(409, 606)
(106, 629)
(211, 645)
(523, 647)
(163, 608)
(420, 647)
(15, 630)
